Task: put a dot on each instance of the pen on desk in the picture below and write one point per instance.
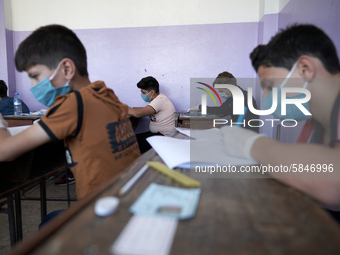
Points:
(240, 118)
(126, 188)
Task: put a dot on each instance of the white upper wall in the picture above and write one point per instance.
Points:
(23, 15)
(274, 6)
(271, 6)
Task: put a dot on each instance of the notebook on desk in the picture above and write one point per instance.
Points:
(205, 148)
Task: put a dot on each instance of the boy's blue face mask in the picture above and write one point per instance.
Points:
(292, 112)
(224, 95)
(145, 97)
(45, 93)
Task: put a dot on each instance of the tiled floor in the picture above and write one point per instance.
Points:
(31, 211)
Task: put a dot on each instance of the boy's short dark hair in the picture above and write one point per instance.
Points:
(3, 89)
(288, 45)
(225, 78)
(48, 45)
(149, 83)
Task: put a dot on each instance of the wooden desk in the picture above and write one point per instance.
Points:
(234, 216)
(197, 122)
(30, 169)
(14, 121)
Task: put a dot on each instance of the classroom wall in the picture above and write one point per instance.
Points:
(3, 49)
(172, 41)
(127, 40)
(324, 14)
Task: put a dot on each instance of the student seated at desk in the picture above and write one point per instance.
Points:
(98, 136)
(301, 56)
(6, 103)
(160, 110)
(226, 109)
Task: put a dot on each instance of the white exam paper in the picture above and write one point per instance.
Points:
(206, 149)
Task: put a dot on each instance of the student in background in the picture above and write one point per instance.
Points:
(302, 56)
(6, 103)
(98, 136)
(226, 109)
(160, 110)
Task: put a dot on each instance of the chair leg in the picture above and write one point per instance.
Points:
(11, 220)
(43, 204)
(18, 218)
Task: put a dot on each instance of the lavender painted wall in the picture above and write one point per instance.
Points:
(3, 52)
(324, 14)
(172, 54)
(11, 74)
(268, 26)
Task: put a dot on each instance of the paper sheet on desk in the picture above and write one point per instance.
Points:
(17, 130)
(206, 149)
(185, 131)
(200, 133)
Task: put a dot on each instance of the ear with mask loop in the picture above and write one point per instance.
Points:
(55, 72)
(292, 112)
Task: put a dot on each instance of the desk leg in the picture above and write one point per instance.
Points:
(18, 218)
(43, 204)
(11, 220)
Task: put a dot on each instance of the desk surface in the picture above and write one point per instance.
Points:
(195, 120)
(23, 120)
(234, 216)
(196, 115)
(21, 117)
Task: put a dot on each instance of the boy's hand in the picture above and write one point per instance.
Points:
(3, 123)
(239, 141)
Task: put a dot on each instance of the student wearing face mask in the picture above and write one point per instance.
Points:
(160, 110)
(97, 134)
(302, 57)
(226, 109)
(6, 103)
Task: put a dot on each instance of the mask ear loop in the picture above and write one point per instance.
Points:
(289, 75)
(55, 72)
(68, 82)
(305, 85)
(148, 94)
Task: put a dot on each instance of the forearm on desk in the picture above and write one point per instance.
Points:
(325, 190)
(140, 112)
(4, 133)
(12, 147)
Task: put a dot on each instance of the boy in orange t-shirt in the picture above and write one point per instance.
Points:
(89, 118)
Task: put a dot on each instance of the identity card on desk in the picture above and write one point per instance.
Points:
(173, 202)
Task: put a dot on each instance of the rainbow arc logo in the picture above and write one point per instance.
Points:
(209, 93)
